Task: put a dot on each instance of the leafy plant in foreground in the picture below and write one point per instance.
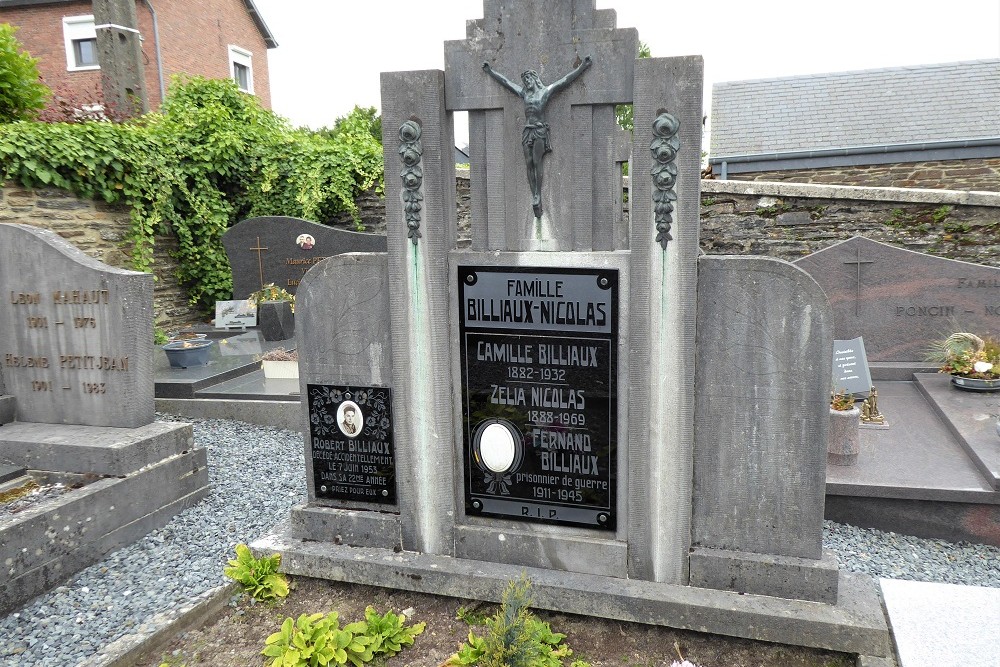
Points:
(317, 640)
(514, 637)
(258, 576)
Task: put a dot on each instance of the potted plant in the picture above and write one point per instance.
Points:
(186, 353)
(280, 363)
(972, 362)
(844, 441)
(275, 312)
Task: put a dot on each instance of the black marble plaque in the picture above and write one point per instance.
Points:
(350, 440)
(539, 353)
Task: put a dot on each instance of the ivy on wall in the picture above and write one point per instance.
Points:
(209, 158)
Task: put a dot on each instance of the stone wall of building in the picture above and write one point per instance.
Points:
(100, 230)
(973, 174)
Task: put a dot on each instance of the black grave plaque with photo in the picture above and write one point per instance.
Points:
(539, 353)
(350, 433)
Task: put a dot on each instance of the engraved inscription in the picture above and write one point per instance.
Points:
(925, 311)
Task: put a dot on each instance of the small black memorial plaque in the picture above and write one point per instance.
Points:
(350, 430)
(539, 393)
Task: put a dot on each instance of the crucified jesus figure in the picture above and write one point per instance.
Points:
(535, 138)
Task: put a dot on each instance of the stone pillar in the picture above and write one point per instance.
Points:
(421, 228)
(662, 320)
(119, 52)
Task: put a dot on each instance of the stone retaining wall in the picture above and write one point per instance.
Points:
(100, 230)
(785, 220)
(973, 174)
(788, 220)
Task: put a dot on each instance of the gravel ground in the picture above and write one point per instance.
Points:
(257, 476)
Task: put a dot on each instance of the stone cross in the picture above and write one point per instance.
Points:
(260, 260)
(857, 297)
(551, 37)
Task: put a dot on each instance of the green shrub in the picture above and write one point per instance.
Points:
(258, 576)
(22, 95)
(514, 637)
(211, 157)
(315, 640)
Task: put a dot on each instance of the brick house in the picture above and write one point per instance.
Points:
(927, 126)
(212, 38)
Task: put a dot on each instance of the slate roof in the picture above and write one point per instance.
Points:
(879, 107)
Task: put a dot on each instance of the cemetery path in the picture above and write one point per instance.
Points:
(236, 636)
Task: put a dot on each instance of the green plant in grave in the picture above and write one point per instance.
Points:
(514, 637)
(258, 576)
(318, 640)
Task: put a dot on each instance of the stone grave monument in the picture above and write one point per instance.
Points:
(76, 406)
(279, 250)
(900, 300)
(641, 430)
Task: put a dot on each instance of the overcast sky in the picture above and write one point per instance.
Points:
(330, 52)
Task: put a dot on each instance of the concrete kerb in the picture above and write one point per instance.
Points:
(157, 632)
(58, 538)
(855, 625)
(276, 414)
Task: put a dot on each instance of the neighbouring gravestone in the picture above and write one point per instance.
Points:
(76, 371)
(545, 403)
(900, 300)
(77, 335)
(280, 250)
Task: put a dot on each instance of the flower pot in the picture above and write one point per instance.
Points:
(276, 320)
(975, 384)
(280, 369)
(182, 354)
(844, 441)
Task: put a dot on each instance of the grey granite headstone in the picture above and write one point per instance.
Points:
(901, 300)
(76, 335)
(762, 407)
(280, 250)
(343, 341)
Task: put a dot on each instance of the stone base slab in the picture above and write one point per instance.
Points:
(765, 574)
(45, 544)
(542, 547)
(856, 624)
(101, 450)
(344, 526)
(8, 409)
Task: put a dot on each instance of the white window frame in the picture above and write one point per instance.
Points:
(74, 28)
(240, 56)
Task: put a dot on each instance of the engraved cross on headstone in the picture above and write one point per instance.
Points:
(551, 37)
(858, 262)
(260, 260)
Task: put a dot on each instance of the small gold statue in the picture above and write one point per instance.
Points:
(869, 409)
